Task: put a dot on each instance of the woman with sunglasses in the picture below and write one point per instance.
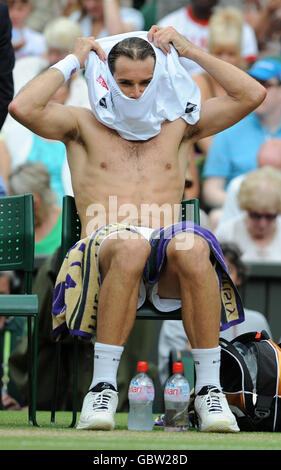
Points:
(257, 231)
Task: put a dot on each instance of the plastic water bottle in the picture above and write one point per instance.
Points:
(249, 355)
(176, 398)
(141, 396)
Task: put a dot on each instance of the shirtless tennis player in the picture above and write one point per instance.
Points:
(103, 164)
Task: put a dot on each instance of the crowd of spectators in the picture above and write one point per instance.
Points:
(247, 157)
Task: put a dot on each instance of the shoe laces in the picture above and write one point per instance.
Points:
(213, 401)
(100, 400)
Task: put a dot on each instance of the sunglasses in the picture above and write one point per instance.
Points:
(257, 216)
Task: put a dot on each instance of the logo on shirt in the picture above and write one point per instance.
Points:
(103, 103)
(190, 107)
(102, 82)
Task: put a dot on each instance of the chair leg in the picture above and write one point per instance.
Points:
(75, 381)
(32, 369)
(56, 382)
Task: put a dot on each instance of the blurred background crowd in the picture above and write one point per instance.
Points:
(236, 174)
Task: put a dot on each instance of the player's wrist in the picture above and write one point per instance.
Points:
(67, 66)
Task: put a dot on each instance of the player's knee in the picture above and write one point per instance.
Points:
(189, 253)
(131, 255)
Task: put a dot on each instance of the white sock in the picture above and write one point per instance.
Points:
(207, 367)
(106, 363)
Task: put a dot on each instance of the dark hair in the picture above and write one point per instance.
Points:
(233, 253)
(134, 48)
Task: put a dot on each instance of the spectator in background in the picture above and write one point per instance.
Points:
(257, 232)
(100, 18)
(5, 164)
(265, 18)
(60, 36)
(43, 12)
(224, 42)
(25, 40)
(269, 155)
(172, 333)
(165, 7)
(7, 61)
(70, 6)
(12, 330)
(192, 21)
(234, 151)
(34, 178)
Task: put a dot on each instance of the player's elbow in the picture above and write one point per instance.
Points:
(19, 110)
(257, 95)
(14, 109)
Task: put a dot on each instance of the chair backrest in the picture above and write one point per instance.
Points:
(71, 225)
(190, 210)
(17, 236)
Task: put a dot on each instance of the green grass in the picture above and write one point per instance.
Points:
(17, 434)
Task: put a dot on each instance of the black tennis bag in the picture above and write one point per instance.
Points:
(251, 380)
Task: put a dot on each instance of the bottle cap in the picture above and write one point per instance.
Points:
(178, 368)
(142, 366)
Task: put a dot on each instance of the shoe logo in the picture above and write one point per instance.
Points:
(104, 386)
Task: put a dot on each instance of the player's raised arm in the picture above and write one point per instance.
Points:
(243, 93)
(31, 106)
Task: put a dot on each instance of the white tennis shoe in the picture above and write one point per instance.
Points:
(99, 408)
(213, 412)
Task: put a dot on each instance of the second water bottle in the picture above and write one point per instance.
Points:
(176, 398)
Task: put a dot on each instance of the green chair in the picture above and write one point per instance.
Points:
(71, 229)
(17, 254)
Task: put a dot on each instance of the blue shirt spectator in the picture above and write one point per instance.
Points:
(234, 151)
(3, 191)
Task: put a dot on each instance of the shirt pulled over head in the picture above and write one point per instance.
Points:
(170, 95)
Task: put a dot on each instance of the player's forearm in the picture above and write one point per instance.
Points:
(236, 83)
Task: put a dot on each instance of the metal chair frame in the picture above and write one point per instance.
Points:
(17, 254)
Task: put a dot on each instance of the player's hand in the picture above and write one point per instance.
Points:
(84, 45)
(164, 37)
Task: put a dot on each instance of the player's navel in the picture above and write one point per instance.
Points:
(168, 166)
(103, 165)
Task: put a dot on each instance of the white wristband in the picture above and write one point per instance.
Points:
(67, 66)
